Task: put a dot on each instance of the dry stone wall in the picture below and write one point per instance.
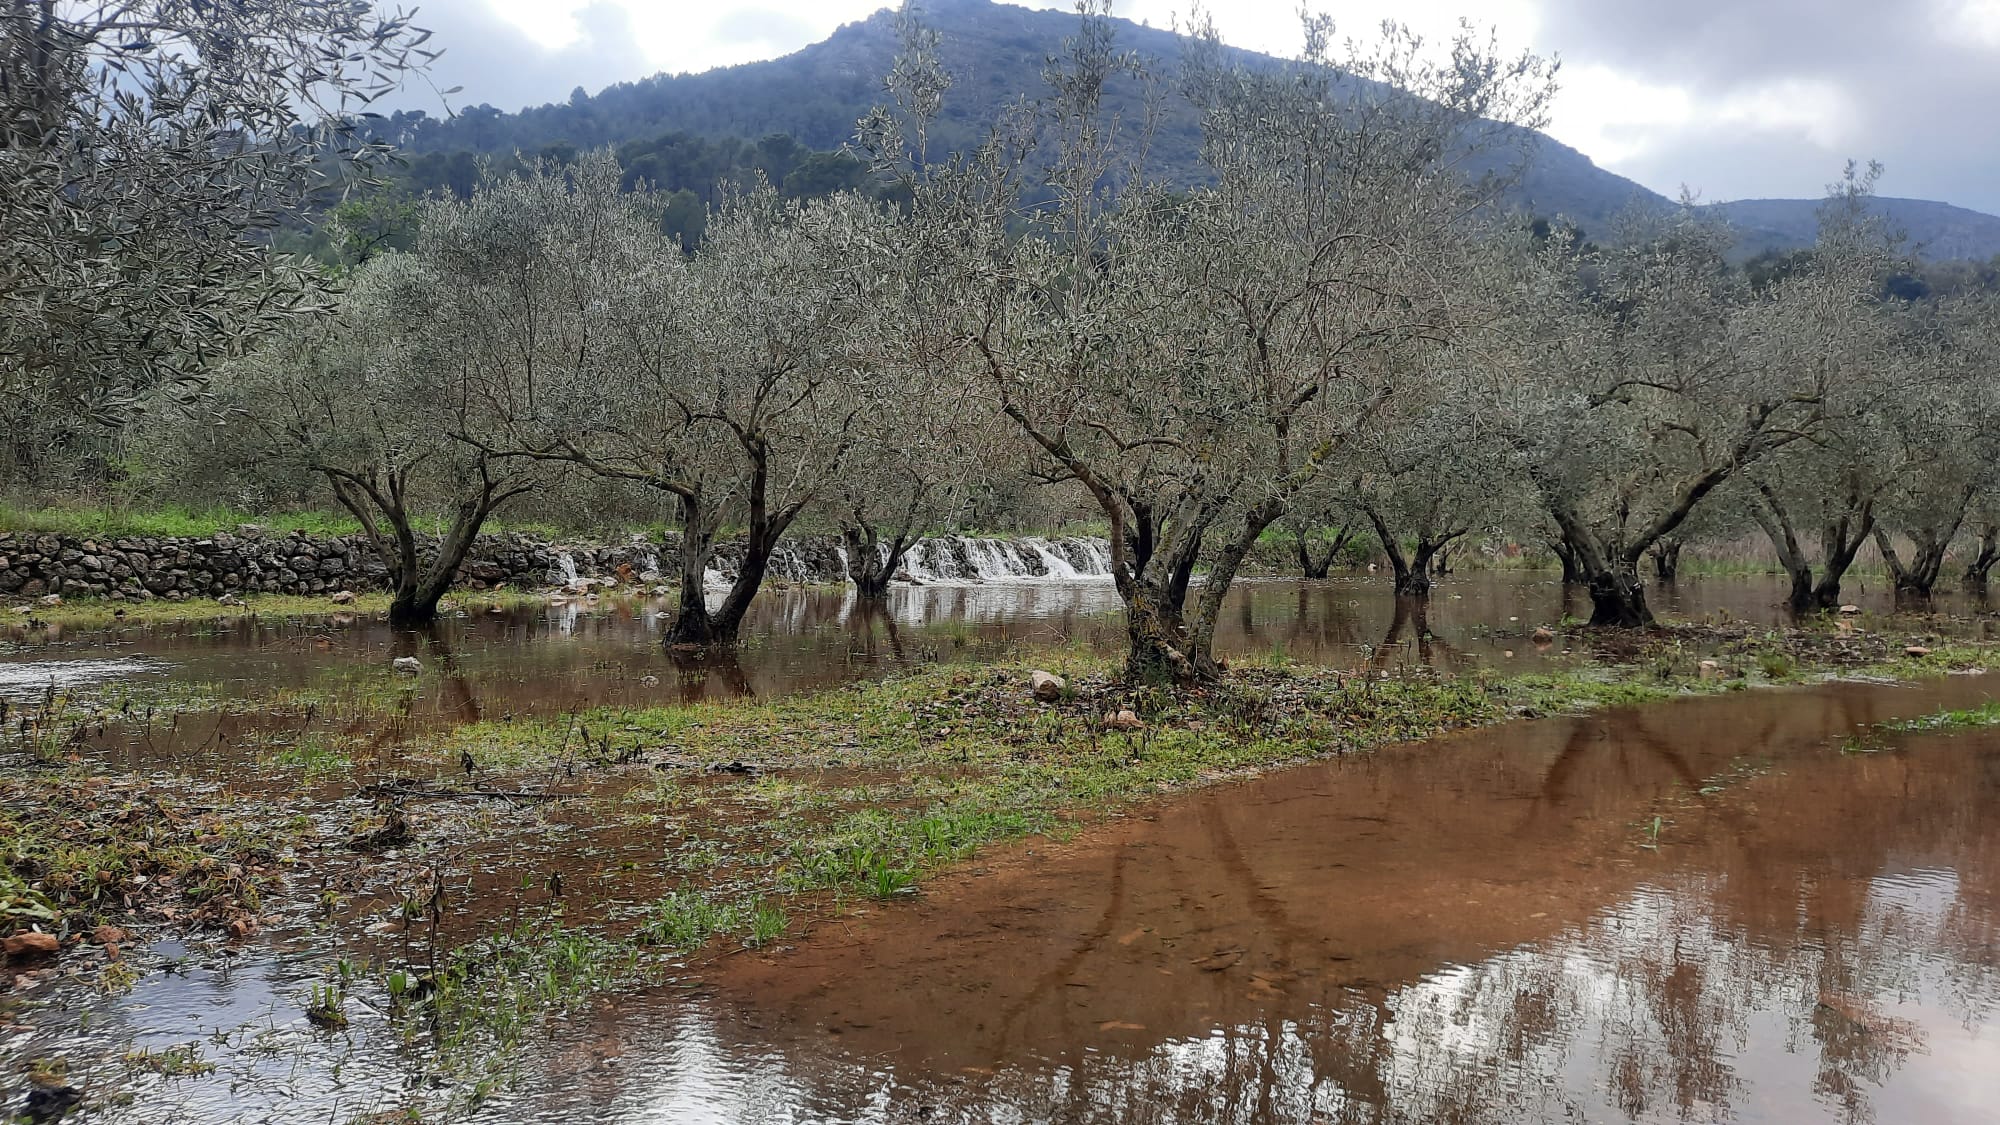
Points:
(252, 561)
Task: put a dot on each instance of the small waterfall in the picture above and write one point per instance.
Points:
(1058, 566)
(960, 559)
(564, 572)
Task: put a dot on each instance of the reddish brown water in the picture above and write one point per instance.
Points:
(1481, 929)
(1486, 928)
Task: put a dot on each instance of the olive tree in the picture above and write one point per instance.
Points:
(1636, 388)
(1834, 330)
(371, 401)
(1429, 472)
(727, 383)
(921, 439)
(1194, 360)
(147, 149)
(1939, 428)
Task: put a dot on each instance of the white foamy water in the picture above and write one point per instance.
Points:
(26, 679)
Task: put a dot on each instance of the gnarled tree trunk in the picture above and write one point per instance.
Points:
(1980, 568)
(1915, 578)
(417, 581)
(871, 563)
(1566, 555)
(1667, 559)
(719, 629)
(1413, 571)
(1317, 566)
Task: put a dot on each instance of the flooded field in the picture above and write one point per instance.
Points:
(1490, 928)
(576, 653)
(1763, 906)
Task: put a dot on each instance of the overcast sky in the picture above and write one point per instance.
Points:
(1733, 98)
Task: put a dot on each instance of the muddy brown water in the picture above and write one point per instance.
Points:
(1696, 911)
(1484, 928)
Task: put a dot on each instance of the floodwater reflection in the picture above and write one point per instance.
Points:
(572, 654)
(1487, 928)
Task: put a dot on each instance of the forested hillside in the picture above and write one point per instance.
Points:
(995, 53)
(808, 102)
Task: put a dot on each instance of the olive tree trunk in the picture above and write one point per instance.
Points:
(1981, 567)
(418, 580)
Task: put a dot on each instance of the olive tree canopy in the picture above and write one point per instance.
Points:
(147, 147)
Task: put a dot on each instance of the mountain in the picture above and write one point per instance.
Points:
(995, 53)
(1936, 231)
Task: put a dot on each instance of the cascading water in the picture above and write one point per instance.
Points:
(958, 559)
(563, 572)
(947, 560)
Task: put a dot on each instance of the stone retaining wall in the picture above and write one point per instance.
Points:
(252, 561)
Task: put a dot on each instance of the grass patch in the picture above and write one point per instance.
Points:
(90, 849)
(182, 1061)
(180, 522)
(166, 522)
(93, 612)
(1986, 714)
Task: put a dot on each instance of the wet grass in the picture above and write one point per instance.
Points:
(165, 522)
(96, 612)
(90, 613)
(81, 849)
(1985, 715)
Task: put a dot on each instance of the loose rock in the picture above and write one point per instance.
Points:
(408, 665)
(31, 944)
(1047, 686)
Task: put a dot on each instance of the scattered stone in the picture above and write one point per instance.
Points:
(344, 597)
(649, 681)
(395, 829)
(229, 599)
(1916, 650)
(109, 935)
(408, 665)
(1711, 670)
(1850, 609)
(1047, 686)
(1543, 635)
(31, 944)
(47, 1104)
(49, 601)
(1125, 720)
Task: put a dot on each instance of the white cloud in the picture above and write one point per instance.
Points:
(1614, 117)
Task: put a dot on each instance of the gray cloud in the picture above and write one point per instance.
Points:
(1915, 90)
(498, 65)
(775, 30)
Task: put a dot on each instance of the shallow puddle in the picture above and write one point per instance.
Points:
(1714, 909)
(1488, 928)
